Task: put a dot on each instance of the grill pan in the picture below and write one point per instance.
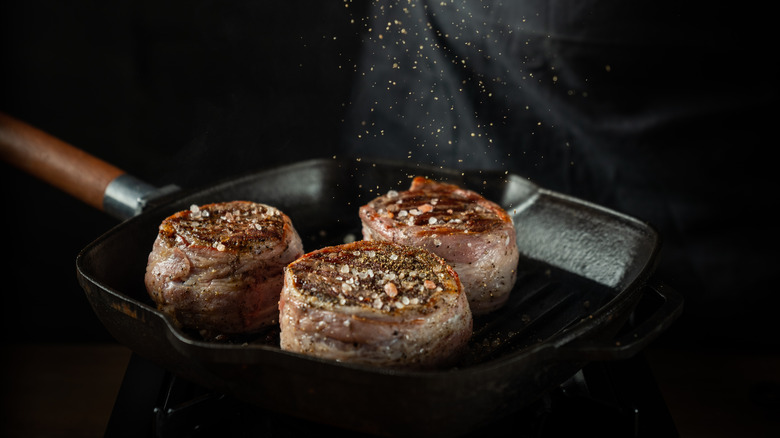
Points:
(583, 269)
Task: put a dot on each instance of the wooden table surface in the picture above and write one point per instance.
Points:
(68, 390)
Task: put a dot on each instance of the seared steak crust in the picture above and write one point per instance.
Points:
(217, 268)
(374, 303)
(474, 235)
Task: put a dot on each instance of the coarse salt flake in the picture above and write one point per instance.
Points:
(391, 290)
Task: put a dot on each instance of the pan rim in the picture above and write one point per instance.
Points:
(560, 339)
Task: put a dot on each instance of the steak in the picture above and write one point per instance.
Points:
(474, 235)
(218, 268)
(375, 303)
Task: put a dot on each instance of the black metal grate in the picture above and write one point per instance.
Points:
(606, 399)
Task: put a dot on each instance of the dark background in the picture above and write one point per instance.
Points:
(172, 92)
(662, 111)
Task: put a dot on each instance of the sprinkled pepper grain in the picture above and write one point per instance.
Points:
(374, 274)
(237, 225)
(436, 210)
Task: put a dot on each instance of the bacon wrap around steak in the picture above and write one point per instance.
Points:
(376, 303)
(474, 235)
(218, 268)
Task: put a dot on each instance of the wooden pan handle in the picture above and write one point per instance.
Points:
(50, 159)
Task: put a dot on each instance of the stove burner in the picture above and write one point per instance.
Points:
(607, 399)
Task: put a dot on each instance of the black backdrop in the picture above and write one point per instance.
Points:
(662, 111)
(183, 92)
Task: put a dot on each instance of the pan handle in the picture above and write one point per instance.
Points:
(81, 175)
(634, 340)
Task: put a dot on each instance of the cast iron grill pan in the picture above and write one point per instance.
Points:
(583, 269)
